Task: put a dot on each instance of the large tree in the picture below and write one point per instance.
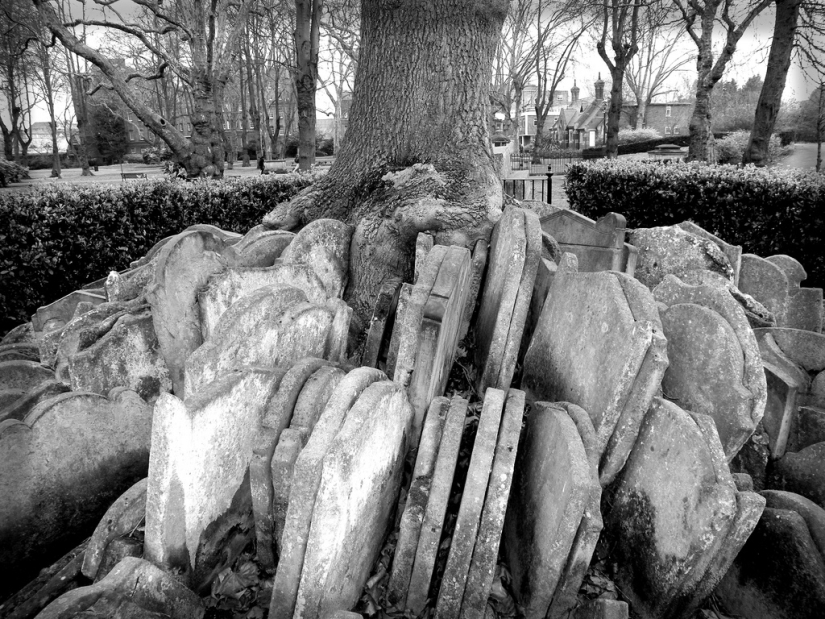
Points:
(417, 155)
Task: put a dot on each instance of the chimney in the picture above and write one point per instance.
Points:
(599, 88)
(574, 93)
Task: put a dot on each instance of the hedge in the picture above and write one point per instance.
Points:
(58, 238)
(767, 211)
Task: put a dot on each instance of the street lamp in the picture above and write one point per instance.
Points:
(604, 123)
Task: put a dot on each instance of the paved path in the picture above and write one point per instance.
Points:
(803, 156)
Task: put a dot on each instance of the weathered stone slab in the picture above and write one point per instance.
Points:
(733, 252)
(771, 354)
(306, 479)
(183, 268)
(454, 581)
(670, 250)
(438, 338)
(812, 514)
(598, 245)
(423, 245)
(126, 356)
(541, 287)
(67, 461)
(122, 518)
(409, 328)
(314, 396)
(767, 283)
(395, 340)
(552, 487)
(416, 505)
(259, 247)
(507, 257)
(26, 351)
(674, 510)
(56, 314)
(793, 270)
(361, 476)
(128, 285)
(198, 473)
(442, 482)
(808, 428)
(134, 588)
(485, 553)
(229, 237)
(780, 408)
(805, 348)
(597, 324)
(281, 468)
(20, 334)
(715, 365)
(22, 405)
(602, 608)
(231, 285)
(476, 279)
(385, 307)
(323, 245)
(802, 472)
(804, 310)
(779, 574)
(23, 375)
(301, 330)
(338, 337)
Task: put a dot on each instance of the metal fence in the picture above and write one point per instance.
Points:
(529, 188)
(557, 165)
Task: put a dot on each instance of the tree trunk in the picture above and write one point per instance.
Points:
(7, 141)
(81, 115)
(244, 119)
(614, 110)
(49, 90)
(770, 98)
(253, 106)
(411, 163)
(641, 113)
(307, 25)
(820, 127)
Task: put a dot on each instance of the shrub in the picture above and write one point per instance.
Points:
(766, 210)
(633, 136)
(731, 148)
(643, 147)
(11, 172)
(58, 238)
(154, 155)
(133, 158)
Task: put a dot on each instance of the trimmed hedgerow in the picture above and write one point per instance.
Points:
(11, 172)
(767, 211)
(58, 238)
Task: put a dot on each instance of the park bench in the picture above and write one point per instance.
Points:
(133, 175)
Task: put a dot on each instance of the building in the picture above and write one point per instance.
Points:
(669, 118)
(583, 122)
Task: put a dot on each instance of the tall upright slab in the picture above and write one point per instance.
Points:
(361, 477)
(598, 245)
(323, 245)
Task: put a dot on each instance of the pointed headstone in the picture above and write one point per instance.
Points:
(323, 245)
(259, 247)
(23, 375)
(379, 329)
(598, 245)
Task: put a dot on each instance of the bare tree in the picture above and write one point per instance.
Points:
(700, 18)
(307, 34)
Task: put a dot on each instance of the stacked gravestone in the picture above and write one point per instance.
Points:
(603, 325)
(514, 256)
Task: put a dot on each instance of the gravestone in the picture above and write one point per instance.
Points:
(431, 528)
(323, 245)
(476, 279)
(395, 339)
(380, 323)
(552, 487)
(602, 324)
(66, 462)
(808, 428)
(598, 245)
(804, 304)
(676, 516)
(281, 468)
(361, 477)
(306, 479)
(804, 348)
(20, 403)
(183, 267)
(231, 285)
(767, 283)
(259, 247)
(56, 314)
(715, 366)
(780, 407)
(23, 375)
(19, 352)
(126, 356)
(802, 472)
(336, 345)
(423, 245)
(733, 252)
(198, 489)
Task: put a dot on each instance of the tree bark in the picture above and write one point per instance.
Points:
(307, 33)
(253, 106)
(770, 98)
(417, 155)
(244, 117)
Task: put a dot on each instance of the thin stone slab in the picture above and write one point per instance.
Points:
(593, 324)
(805, 348)
(122, 518)
(476, 279)
(767, 283)
(306, 479)
(301, 330)
(454, 581)
(23, 375)
(183, 267)
(314, 397)
(126, 356)
(507, 257)
(802, 472)
(24, 401)
(378, 330)
(485, 553)
(361, 477)
(416, 505)
(20, 334)
(598, 245)
(813, 514)
(808, 428)
(804, 310)
(198, 473)
(674, 510)
(771, 354)
(323, 245)
(440, 487)
(780, 408)
(552, 487)
(409, 328)
(281, 469)
(541, 287)
(792, 269)
(715, 365)
(438, 338)
(338, 336)
(231, 285)
(733, 252)
(66, 462)
(395, 339)
(57, 314)
(19, 352)
(259, 247)
(423, 245)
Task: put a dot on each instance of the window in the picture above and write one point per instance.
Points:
(676, 130)
(667, 130)
(535, 122)
(668, 111)
(131, 136)
(559, 97)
